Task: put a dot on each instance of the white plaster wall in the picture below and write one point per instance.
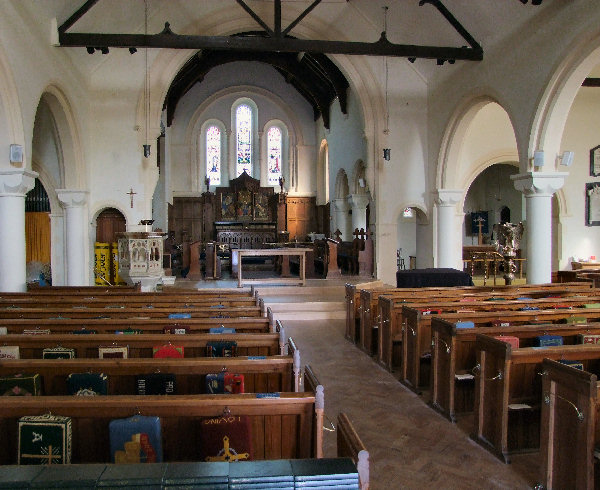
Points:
(580, 135)
(44, 144)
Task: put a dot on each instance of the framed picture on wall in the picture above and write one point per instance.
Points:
(592, 204)
(595, 161)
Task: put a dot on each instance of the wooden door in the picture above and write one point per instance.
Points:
(301, 217)
(108, 224)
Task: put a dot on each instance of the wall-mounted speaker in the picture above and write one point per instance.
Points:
(567, 158)
(16, 154)
(538, 158)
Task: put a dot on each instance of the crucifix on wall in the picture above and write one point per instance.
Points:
(131, 193)
(480, 222)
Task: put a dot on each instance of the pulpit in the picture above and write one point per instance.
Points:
(141, 258)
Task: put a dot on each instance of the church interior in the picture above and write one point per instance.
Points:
(312, 156)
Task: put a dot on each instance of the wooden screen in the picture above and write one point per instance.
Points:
(300, 217)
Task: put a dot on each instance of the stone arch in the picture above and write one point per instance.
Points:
(359, 178)
(553, 109)
(323, 174)
(68, 139)
(342, 189)
(452, 150)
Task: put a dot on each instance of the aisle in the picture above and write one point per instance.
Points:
(411, 446)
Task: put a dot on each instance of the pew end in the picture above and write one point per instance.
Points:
(349, 445)
(569, 427)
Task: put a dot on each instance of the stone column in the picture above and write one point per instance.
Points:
(74, 202)
(538, 189)
(449, 238)
(341, 218)
(359, 203)
(14, 184)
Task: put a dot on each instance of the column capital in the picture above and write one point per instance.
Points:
(539, 183)
(358, 201)
(16, 182)
(447, 197)
(72, 198)
(341, 204)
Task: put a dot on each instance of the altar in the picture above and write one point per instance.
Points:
(239, 254)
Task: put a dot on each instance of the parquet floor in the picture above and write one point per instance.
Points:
(410, 445)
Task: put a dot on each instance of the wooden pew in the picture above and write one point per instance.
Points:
(370, 317)
(392, 321)
(147, 325)
(138, 300)
(569, 427)
(508, 392)
(282, 427)
(417, 336)
(453, 358)
(263, 374)
(352, 299)
(34, 287)
(128, 312)
(140, 346)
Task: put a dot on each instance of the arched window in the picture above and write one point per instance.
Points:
(243, 125)
(274, 152)
(213, 155)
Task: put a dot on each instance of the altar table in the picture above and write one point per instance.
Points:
(271, 252)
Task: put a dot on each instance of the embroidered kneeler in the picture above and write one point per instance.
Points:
(136, 439)
(45, 439)
(226, 438)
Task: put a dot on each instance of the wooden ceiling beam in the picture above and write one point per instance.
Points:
(167, 39)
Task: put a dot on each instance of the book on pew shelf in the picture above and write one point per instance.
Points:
(9, 352)
(179, 315)
(588, 338)
(262, 474)
(22, 384)
(176, 329)
(592, 305)
(574, 320)
(221, 349)
(87, 384)
(113, 352)
(429, 311)
(135, 439)
(129, 331)
(464, 325)
(214, 476)
(226, 438)
(529, 308)
(224, 383)
(45, 439)
(167, 351)
(84, 331)
(499, 323)
(58, 352)
(156, 384)
(548, 340)
(36, 331)
(562, 307)
(3, 331)
(221, 330)
(574, 364)
(509, 339)
(325, 472)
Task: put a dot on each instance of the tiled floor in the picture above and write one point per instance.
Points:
(410, 445)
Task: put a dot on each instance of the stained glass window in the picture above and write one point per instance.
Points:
(274, 155)
(213, 155)
(243, 124)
